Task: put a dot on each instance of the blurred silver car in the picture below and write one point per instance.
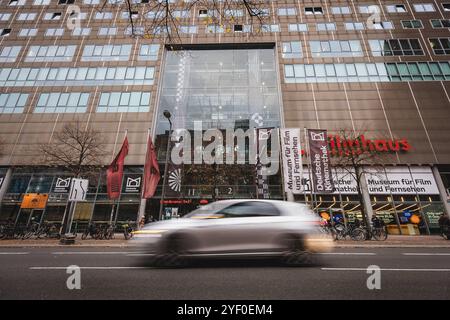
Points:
(237, 228)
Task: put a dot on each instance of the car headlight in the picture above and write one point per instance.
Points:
(148, 232)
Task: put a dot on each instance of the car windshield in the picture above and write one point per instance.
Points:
(209, 211)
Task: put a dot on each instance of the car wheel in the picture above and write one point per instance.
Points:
(296, 254)
(173, 253)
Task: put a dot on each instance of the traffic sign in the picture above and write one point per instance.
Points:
(78, 189)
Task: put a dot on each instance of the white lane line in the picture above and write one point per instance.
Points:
(350, 253)
(91, 252)
(386, 269)
(13, 253)
(89, 268)
(425, 254)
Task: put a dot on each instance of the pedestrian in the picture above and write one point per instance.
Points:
(444, 225)
(142, 223)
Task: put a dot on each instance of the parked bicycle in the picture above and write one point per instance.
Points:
(351, 230)
(377, 231)
(92, 230)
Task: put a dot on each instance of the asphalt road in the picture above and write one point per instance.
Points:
(111, 273)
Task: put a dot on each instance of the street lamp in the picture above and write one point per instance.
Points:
(167, 115)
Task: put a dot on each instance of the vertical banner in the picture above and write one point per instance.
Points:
(292, 160)
(262, 185)
(319, 156)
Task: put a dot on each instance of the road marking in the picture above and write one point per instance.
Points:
(350, 253)
(90, 252)
(13, 253)
(426, 254)
(90, 268)
(386, 269)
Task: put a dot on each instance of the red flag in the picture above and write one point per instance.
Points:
(151, 171)
(114, 172)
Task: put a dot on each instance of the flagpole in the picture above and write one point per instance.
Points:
(114, 205)
(143, 203)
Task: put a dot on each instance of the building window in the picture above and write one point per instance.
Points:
(81, 31)
(204, 13)
(424, 7)
(342, 48)
(50, 53)
(28, 32)
(107, 31)
(354, 26)
(446, 7)
(103, 15)
(325, 26)
(313, 10)
(412, 24)
(66, 1)
(124, 102)
(298, 27)
(396, 47)
(148, 52)
(155, 15)
(396, 8)
(15, 3)
(238, 28)
(92, 2)
(340, 10)
(188, 29)
(139, 31)
(181, 14)
(13, 102)
(270, 28)
(5, 16)
(126, 15)
(233, 13)
(106, 52)
(56, 102)
(41, 2)
(214, 29)
(54, 32)
(383, 25)
(5, 32)
(292, 50)
(9, 54)
(52, 16)
(286, 11)
(440, 46)
(26, 17)
(437, 24)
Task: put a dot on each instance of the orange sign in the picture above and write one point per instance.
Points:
(34, 201)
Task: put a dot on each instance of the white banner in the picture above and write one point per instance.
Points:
(396, 181)
(292, 160)
(401, 181)
(78, 189)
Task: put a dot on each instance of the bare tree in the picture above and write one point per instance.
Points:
(76, 148)
(164, 19)
(357, 155)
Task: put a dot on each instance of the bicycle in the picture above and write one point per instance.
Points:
(31, 230)
(355, 233)
(92, 230)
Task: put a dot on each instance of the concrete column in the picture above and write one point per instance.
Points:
(5, 183)
(141, 210)
(441, 188)
(366, 197)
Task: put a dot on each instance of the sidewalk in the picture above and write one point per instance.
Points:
(393, 241)
(396, 241)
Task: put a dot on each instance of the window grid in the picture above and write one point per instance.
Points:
(56, 102)
(106, 52)
(396, 47)
(338, 48)
(124, 102)
(367, 72)
(9, 54)
(13, 102)
(50, 53)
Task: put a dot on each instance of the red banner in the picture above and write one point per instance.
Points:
(114, 173)
(151, 171)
